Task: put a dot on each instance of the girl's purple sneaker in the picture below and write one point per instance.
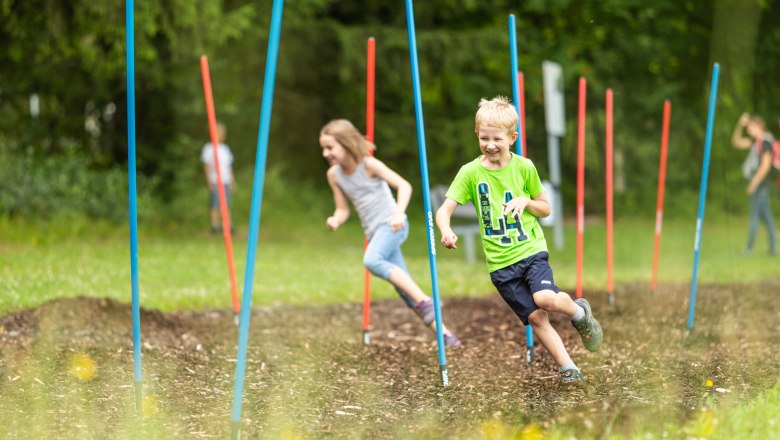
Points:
(425, 309)
(451, 340)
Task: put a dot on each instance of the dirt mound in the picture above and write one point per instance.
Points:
(310, 375)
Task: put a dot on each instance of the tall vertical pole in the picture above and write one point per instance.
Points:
(223, 208)
(609, 154)
(521, 86)
(580, 182)
(659, 206)
(370, 94)
(418, 111)
(133, 205)
(515, 75)
(257, 203)
(705, 170)
(555, 125)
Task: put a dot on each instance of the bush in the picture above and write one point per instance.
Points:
(63, 185)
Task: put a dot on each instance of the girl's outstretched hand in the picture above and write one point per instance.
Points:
(332, 223)
(449, 239)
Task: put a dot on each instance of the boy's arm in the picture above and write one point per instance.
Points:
(443, 215)
(341, 214)
(206, 172)
(738, 140)
(540, 206)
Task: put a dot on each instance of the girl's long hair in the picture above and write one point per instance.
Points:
(349, 137)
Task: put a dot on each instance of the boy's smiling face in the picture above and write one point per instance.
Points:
(495, 142)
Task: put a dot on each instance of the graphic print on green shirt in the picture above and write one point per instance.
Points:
(506, 240)
(503, 223)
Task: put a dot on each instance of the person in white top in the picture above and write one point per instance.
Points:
(225, 176)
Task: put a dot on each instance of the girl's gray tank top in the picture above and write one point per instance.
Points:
(371, 197)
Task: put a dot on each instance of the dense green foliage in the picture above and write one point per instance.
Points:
(72, 55)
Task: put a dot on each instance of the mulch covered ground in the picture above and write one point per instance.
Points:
(66, 369)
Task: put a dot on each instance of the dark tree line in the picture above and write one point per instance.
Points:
(71, 55)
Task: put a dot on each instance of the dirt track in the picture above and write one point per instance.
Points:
(309, 374)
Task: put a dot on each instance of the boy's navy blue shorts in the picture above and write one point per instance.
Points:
(518, 282)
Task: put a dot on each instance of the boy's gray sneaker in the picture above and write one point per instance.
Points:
(588, 328)
(572, 377)
(425, 309)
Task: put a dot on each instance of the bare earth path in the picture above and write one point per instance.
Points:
(66, 369)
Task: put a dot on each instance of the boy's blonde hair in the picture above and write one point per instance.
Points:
(349, 137)
(497, 112)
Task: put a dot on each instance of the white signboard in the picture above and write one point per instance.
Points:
(553, 99)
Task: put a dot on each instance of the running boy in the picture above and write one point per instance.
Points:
(366, 181)
(507, 193)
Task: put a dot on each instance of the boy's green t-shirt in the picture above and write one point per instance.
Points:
(505, 240)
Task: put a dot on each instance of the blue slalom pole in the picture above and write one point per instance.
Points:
(529, 331)
(254, 219)
(515, 85)
(133, 205)
(418, 111)
(705, 169)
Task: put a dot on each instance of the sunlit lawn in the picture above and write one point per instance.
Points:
(185, 268)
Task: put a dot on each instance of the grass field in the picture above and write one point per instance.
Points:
(309, 281)
(185, 268)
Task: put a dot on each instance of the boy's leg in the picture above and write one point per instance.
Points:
(516, 292)
(548, 297)
(214, 214)
(549, 338)
(553, 301)
(229, 200)
(214, 210)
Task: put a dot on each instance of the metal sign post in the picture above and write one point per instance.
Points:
(555, 124)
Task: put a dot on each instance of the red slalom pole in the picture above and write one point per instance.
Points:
(609, 154)
(659, 207)
(204, 70)
(370, 93)
(521, 86)
(580, 182)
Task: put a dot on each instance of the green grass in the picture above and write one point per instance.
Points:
(300, 262)
(183, 267)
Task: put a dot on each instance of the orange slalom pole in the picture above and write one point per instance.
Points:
(610, 230)
(521, 86)
(370, 93)
(580, 182)
(204, 69)
(659, 207)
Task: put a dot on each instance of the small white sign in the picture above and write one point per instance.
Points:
(555, 120)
